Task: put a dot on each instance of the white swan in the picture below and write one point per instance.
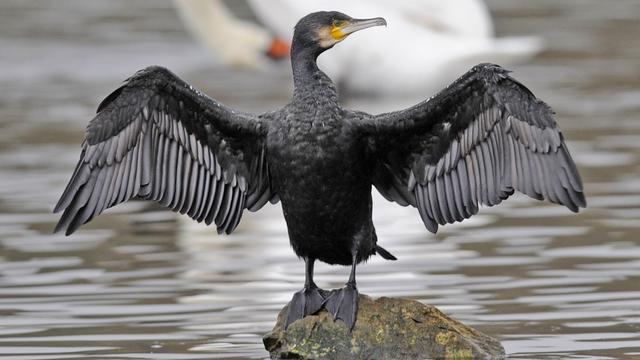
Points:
(444, 39)
(236, 42)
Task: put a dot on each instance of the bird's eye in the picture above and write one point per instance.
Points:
(339, 23)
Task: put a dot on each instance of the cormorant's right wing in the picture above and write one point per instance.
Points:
(475, 142)
(159, 139)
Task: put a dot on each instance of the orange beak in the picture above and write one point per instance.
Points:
(279, 49)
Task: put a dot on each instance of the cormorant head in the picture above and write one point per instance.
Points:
(321, 30)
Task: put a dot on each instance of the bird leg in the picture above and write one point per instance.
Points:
(343, 303)
(306, 301)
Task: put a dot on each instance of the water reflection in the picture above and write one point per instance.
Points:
(140, 283)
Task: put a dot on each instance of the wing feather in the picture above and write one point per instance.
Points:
(213, 194)
(473, 144)
(157, 138)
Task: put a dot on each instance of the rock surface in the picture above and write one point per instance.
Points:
(386, 328)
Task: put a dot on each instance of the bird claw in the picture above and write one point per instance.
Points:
(305, 302)
(343, 304)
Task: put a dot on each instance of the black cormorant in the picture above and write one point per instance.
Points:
(475, 142)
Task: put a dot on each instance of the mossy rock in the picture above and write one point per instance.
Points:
(387, 328)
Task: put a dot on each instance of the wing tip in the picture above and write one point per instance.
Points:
(58, 227)
(582, 201)
(432, 226)
(58, 207)
(64, 224)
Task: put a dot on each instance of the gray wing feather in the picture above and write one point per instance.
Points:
(541, 174)
(473, 144)
(156, 138)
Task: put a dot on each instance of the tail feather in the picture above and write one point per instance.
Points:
(384, 253)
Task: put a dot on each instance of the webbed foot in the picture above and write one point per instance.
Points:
(343, 304)
(304, 302)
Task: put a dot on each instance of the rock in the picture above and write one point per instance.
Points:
(387, 328)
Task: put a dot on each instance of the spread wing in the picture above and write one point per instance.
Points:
(159, 139)
(475, 142)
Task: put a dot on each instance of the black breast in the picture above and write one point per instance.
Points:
(318, 169)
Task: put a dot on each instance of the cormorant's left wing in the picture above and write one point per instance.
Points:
(157, 138)
(473, 143)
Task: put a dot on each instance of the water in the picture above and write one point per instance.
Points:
(141, 283)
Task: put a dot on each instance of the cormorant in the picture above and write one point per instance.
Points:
(476, 142)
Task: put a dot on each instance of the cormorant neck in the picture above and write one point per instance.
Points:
(303, 62)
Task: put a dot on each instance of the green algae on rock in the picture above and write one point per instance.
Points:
(386, 328)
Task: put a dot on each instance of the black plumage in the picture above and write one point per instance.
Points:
(476, 142)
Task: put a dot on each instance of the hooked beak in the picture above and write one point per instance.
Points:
(340, 31)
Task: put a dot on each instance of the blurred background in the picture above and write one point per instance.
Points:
(139, 282)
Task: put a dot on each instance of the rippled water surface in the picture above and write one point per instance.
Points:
(140, 282)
